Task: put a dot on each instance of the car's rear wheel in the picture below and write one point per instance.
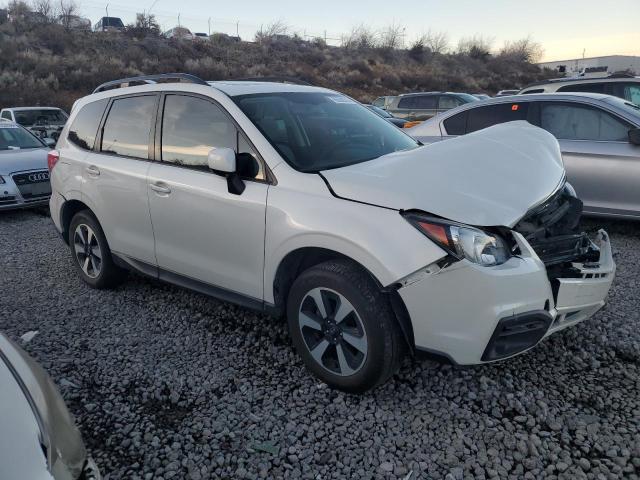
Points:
(91, 253)
(343, 326)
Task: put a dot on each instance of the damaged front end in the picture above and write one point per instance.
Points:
(580, 270)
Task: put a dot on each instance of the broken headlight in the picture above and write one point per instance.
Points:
(462, 241)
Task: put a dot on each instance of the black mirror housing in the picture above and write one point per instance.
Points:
(634, 136)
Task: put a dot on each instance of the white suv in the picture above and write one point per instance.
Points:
(298, 200)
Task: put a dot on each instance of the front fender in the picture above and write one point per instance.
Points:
(379, 239)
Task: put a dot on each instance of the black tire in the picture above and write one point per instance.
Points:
(108, 275)
(385, 345)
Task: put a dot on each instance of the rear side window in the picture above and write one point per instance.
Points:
(126, 130)
(426, 102)
(447, 102)
(534, 90)
(6, 115)
(576, 122)
(406, 102)
(628, 91)
(84, 128)
(585, 87)
(484, 117)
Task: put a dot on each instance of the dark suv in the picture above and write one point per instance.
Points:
(423, 106)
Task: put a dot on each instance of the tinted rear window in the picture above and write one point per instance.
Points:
(484, 117)
(584, 87)
(84, 128)
(126, 131)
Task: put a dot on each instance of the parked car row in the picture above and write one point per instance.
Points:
(44, 122)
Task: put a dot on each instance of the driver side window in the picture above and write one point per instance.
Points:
(192, 126)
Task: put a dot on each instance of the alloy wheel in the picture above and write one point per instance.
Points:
(332, 331)
(87, 250)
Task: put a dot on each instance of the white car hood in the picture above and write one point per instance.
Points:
(488, 178)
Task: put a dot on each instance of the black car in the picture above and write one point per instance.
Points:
(398, 122)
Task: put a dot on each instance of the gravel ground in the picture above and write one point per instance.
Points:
(170, 384)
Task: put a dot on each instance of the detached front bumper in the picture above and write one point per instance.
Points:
(473, 314)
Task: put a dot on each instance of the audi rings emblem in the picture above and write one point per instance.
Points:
(38, 177)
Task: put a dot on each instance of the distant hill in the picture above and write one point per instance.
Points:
(46, 64)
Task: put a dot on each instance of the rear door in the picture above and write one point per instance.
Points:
(115, 176)
(206, 237)
(601, 163)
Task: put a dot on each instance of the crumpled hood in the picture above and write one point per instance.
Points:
(488, 178)
(19, 160)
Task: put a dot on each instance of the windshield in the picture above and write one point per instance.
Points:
(42, 117)
(316, 131)
(13, 137)
(628, 107)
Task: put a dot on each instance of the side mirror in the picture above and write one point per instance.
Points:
(634, 136)
(222, 160)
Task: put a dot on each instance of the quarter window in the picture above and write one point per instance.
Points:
(84, 128)
(576, 122)
(126, 131)
(6, 115)
(406, 102)
(483, 117)
(456, 125)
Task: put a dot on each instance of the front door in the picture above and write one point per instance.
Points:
(202, 232)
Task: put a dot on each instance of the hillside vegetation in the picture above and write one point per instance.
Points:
(45, 63)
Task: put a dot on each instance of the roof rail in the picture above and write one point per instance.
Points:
(277, 79)
(149, 79)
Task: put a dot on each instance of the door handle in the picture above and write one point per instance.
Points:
(160, 187)
(93, 171)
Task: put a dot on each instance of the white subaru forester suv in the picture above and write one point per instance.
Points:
(298, 201)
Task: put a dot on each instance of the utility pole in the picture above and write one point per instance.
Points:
(209, 22)
(238, 29)
(178, 19)
(106, 9)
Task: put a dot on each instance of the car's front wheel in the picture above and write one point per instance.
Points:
(343, 326)
(91, 253)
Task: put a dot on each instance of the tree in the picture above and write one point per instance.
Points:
(274, 29)
(523, 50)
(18, 9)
(45, 9)
(66, 11)
(392, 37)
(360, 37)
(477, 47)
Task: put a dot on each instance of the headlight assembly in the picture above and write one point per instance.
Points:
(462, 241)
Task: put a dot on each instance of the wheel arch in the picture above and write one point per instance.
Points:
(301, 259)
(68, 210)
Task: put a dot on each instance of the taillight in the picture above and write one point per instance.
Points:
(52, 158)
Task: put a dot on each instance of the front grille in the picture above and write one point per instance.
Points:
(553, 230)
(7, 200)
(33, 185)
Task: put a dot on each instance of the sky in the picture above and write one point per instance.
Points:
(566, 29)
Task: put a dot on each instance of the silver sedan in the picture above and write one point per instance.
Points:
(24, 176)
(599, 136)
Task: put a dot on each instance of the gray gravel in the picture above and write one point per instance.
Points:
(170, 384)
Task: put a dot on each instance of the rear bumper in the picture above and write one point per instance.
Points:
(475, 314)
